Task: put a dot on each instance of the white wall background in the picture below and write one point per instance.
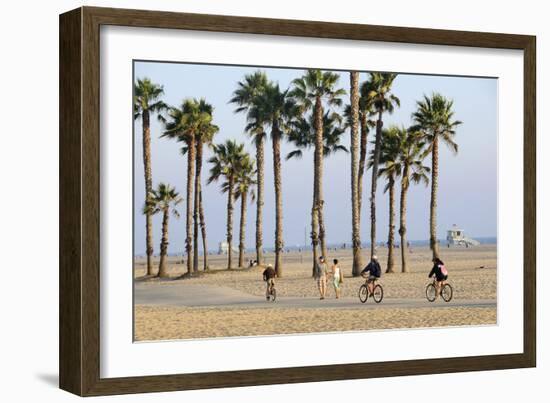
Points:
(29, 198)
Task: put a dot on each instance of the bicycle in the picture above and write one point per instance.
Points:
(446, 292)
(377, 292)
(272, 293)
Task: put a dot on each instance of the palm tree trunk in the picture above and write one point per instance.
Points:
(375, 163)
(198, 168)
(277, 177)
(189, 212)
(146, 127)
(391, 227)
(318, 173)
(314, 219)
(322, 237)
(362, 161)
(244, 197)
(433, 202)
(314, 234)
(230, 222)
(403, 219)
(203, 231)
(202, 222)
(355, 183)
(164, 245)
(260, 199)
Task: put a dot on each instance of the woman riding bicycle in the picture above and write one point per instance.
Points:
(440, 273)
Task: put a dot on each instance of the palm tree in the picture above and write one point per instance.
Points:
(383, 101)
(365, 110)
(365, 123)
(411, 156)
(391, 169)
(146, 102)
(302, 135)
(203, 137)
(245, 183)
(163, 200)
(244, 97)
(185, 125)
(434, 118)
(353, 114)
(311, 90)
(227, 162)
(277, 109)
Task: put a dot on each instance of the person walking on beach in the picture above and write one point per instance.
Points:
(441, 275)
(269, 278)
(374, 271)
(321, 276)
(337, 278)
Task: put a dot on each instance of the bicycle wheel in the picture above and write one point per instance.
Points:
(378, 293)
(273, 294)
(363, 293)
(430, 292)
(447, 293)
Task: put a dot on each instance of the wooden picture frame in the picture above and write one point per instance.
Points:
(79, 200)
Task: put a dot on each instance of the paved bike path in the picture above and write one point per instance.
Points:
(200, 295)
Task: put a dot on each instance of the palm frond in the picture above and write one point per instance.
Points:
(434, 118)
(294, 154)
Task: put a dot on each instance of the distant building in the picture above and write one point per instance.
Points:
(223, 248)
(457, 237)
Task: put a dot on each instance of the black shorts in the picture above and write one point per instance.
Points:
(442, 278)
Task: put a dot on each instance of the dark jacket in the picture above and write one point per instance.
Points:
(373, 268)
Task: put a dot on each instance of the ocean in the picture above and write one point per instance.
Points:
(344, 245)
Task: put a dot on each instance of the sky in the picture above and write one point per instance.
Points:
(467, 194)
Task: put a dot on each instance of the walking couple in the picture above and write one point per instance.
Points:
(322, 274)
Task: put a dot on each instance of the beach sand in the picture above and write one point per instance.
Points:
(472, 273)
(168, 323)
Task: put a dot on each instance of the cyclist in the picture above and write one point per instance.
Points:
(374, 272)
(269, 278)
(440, 273)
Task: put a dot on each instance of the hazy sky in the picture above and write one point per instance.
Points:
(467, 181)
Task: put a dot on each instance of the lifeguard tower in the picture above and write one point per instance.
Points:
(457, 237)
(223, 248)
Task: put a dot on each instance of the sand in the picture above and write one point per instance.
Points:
(472, 273)
(166, 323)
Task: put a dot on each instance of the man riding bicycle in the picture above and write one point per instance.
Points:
(372, 272)
(269, 278)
